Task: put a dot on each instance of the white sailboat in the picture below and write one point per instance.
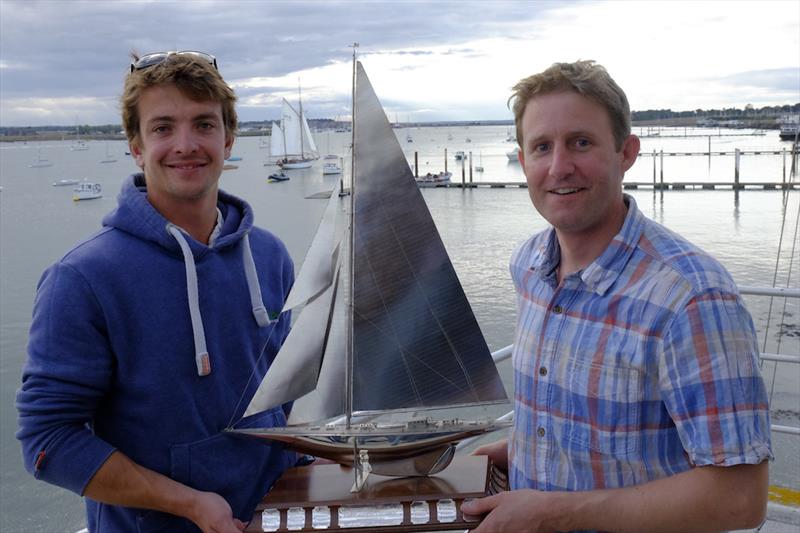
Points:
(79, 145)
(291, 143)
(109, 158)
(386, 344)
(40, 162)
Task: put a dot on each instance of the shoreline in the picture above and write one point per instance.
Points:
(675, 122)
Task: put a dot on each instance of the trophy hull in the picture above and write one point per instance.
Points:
(415, 451)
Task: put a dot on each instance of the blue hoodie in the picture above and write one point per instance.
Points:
(147, 341)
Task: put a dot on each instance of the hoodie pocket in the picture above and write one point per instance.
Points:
(237, 468)
(157, 522)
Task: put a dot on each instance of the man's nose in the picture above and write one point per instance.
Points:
(186, 140)
(561, 162)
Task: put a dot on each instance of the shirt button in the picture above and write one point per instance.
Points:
(542, 371)
(558, 309)
(540, 431)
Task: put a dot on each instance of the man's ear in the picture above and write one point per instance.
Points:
(136, 152)
(228, 144)
(630, 151)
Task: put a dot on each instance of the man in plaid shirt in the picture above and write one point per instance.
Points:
(639, 405)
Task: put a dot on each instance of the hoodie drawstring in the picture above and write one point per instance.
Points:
(259, 311)
(202, 358)
(201, 353)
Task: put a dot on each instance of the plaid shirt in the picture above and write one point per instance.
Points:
(638, 367)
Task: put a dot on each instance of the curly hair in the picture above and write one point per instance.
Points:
(195, 78)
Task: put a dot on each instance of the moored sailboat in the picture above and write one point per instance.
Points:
(291, 143)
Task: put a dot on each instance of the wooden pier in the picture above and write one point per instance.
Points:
(714, 153)
(665, 186)
(658, 183)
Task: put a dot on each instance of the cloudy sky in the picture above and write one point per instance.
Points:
(62, 62)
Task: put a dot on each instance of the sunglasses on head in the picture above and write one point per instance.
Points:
(156, 58)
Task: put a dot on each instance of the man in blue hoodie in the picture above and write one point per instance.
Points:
(147, 335)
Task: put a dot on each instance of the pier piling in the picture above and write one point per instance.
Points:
(736, 170)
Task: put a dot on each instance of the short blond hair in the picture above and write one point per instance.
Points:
(586, 78)
(195, 78)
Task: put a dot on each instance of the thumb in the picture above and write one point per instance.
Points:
(480, 506)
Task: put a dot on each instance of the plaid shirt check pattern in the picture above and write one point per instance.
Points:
(638, 367)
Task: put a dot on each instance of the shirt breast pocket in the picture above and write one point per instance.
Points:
(603, 409)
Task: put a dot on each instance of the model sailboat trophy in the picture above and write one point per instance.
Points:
(386, 344)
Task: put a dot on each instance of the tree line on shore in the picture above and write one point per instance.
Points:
(749, 116)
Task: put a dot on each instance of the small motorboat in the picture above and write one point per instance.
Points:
(789, 132)
(331, 168)
(63, 182)
(87, 191)
(431, 180)
(277, 176)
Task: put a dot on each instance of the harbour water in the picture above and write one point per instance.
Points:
(480, 228)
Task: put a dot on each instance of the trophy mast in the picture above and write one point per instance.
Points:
(361, 466)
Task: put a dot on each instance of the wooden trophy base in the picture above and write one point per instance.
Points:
(328, 486)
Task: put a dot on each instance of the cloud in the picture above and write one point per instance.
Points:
(435, 58)
(783, 80)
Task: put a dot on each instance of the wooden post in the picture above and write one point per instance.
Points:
(463, 176)
(445, 159)
(736, 170)
(416, 164)
(783, 151)
(662, 169)
(470, 166)
(654, 170)
(709, 149)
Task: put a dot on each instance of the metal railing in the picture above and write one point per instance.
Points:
(505, 353)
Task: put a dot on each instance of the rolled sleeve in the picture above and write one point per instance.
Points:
(711, 384)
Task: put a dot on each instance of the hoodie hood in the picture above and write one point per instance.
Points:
(135, 215)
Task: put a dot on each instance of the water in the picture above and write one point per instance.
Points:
(480, 229)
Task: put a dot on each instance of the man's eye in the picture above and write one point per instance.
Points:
(582, 143)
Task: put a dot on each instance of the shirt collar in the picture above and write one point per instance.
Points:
(603, 271)
(217, 229)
